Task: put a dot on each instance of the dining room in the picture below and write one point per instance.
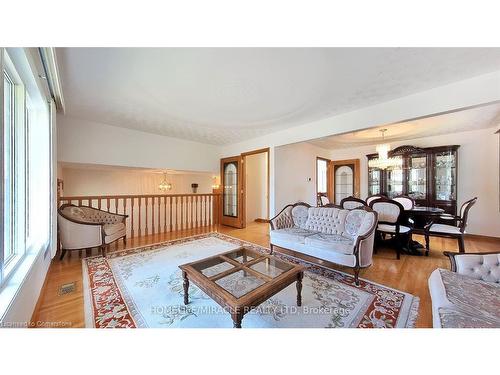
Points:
(436, 172)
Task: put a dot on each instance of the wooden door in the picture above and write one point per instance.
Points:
(233, 190)
(345, 175)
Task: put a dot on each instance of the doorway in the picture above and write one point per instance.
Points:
(245, 188)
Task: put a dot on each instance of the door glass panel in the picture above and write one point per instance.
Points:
(445, 176)
(394, 180)
(230, 196)
(417, 177)
(373, 181)
(344, 182)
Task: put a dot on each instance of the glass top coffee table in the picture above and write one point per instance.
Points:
(240, 280)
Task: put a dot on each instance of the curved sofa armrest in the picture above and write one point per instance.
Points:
(283, 220)
(363, 248)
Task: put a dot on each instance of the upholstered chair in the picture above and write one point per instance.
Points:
(322, 199)
(375, 196)
(351, 203)
(407, 202)
(82, 227)
(389, 221)
(450, 230)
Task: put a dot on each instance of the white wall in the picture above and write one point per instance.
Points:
(256, 186)
(478, 173)
(295, 173)
(85, 181)
(81, 141)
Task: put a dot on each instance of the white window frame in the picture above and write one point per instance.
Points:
(19, 251)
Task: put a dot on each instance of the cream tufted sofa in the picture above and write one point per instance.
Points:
(329, 234)
(468, 296)
(82, 227)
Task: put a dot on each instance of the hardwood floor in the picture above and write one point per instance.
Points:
(408, 274)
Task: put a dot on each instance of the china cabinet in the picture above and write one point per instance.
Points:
(428, 175)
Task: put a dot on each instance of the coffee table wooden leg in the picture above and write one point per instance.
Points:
(237, 318)
(186, 288)
(300, 275)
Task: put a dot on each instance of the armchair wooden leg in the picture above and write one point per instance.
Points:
(271, 248)
(125, 240)
(103, 249)
(461, 244)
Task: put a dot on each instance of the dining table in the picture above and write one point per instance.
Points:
(421, 216)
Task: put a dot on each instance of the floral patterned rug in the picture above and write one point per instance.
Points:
(142, 287)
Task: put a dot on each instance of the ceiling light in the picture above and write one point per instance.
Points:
(384, 161)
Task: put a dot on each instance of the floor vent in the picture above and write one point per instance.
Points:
(67, 288)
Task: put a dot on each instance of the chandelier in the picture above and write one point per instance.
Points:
(164, 184)
(384, 161)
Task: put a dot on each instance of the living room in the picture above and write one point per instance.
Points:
(230, 191)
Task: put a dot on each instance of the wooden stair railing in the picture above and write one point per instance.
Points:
(152, 214)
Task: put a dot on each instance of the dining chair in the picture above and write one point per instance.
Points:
(375, 196)
(322, 199)
(407, 202)
(448, 230)
(351, 203)
(389, 221)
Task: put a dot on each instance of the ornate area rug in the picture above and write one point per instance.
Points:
(143, 288)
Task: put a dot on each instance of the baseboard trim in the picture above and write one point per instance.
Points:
(262, 220)
(482, 237)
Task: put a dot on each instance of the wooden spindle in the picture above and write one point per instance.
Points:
(170, 211)
(164, 214)
(116, 205)
(132, 216)
(158, 227)
(153, 215)
(210, 218)
(140, 214)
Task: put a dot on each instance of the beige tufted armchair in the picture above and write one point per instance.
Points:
(82, 227)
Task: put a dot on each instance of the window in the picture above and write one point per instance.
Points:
(25, 194)
(321, 175)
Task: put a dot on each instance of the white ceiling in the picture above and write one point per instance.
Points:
(471, 119)
(225, 95)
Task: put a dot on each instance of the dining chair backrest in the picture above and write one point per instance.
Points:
(322, 199)
(464, 212)
(389, 211)
(373, 197)
(407, 202)
(351, 203)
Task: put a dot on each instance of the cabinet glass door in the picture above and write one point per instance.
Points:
(445, 174)
(417, 177)
(374, 176)
(394, 178)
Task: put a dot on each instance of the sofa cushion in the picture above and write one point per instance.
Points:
(333, 242)
(299, 215)
(110, 229)
(294, 234)
(462, 301)
(443, 228)
(329, 220)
